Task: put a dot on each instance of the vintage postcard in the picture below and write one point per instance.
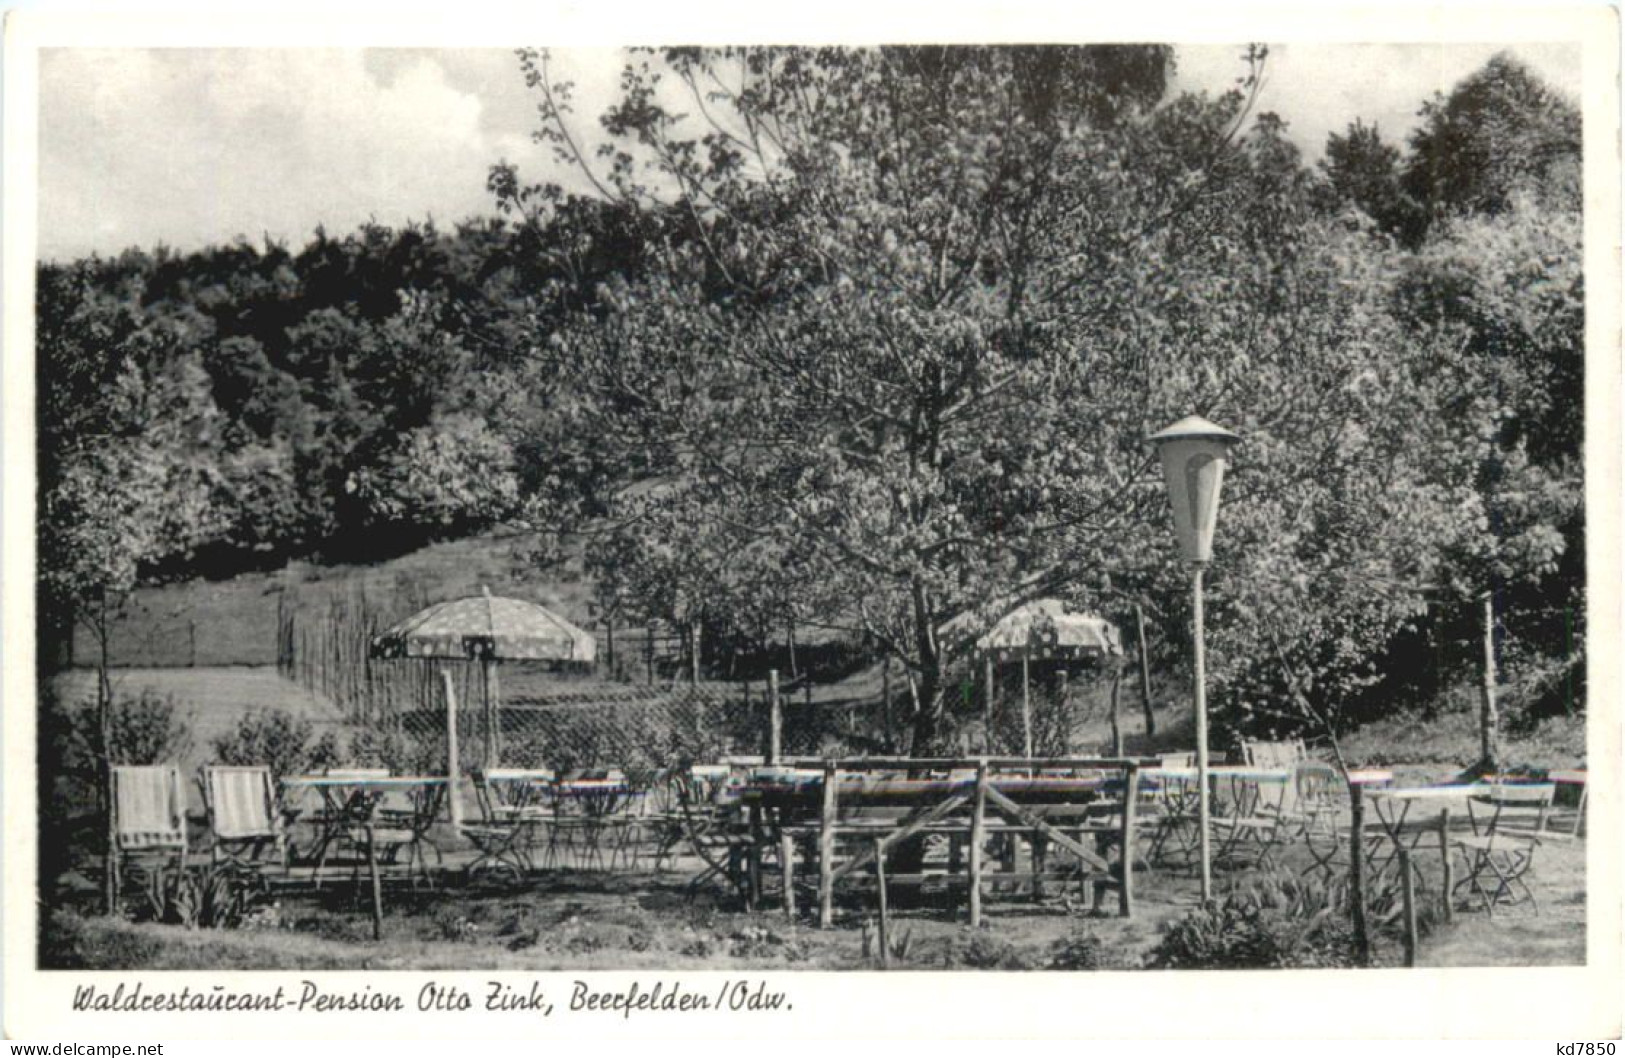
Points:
(893, 525)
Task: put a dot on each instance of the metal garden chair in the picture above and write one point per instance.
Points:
(1500, 852)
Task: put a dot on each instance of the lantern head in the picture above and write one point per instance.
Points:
(1194, 454)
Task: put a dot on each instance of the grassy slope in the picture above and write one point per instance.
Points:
(233, 622)
(212, 700)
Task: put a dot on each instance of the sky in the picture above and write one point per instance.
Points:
(188, 147)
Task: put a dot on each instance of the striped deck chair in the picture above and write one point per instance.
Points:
(244, 816)
(149, 820)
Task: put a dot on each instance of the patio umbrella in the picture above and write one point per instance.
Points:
(487, 628)
(1045, 631)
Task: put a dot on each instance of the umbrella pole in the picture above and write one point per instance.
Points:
(453, 802)
(493, 737)
(1026, 712)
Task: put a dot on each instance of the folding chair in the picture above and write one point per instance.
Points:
(149, 823)
(1500, 852)
(1274, 754)
(244, 816)
(511, 809)
(1574, 777)
(1169, 813)
(1256, 826)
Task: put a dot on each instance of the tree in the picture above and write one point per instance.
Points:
(916, 309)
(453, 477)
(1508, 290)
(119, 503)
(1499, 134)
(1362, 169)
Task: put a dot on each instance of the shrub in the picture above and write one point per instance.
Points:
(1272, 921)
(984, 951)
(147, 729)
(279, 739)
(207, 896)
(394, 750)
(1079, 950)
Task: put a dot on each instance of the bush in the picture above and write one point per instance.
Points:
(395, 751)
(1273, 921)
(279, 739)
(983, 951)
(147, 729)
(207, 896)
(1080, 950)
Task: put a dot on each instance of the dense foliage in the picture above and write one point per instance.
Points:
(870, 341)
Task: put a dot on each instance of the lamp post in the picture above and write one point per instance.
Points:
(1194, 454)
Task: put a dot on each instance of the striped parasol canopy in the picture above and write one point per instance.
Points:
(1045, 630)
(486, 627)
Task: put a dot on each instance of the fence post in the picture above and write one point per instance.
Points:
(826, 850)
(753, 860)
(1145, 674)
(885, 699)
(977, 827)
(1362, 938)
(987, 705)
(1444, 855)
(787, 868)
(1407, 892)
(493, 750)
(880, 883)
(1026, 698)
(1125, 891)
(1117, 729)
(775, 718)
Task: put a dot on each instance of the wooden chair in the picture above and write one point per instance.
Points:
(1500, 852)
(245, 819)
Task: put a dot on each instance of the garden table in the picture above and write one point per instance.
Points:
(354, 803)
(1392, 806)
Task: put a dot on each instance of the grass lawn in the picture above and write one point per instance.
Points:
(597, 922)
(580, 920)
(233, 622)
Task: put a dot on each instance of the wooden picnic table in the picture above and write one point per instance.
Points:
(881, 803)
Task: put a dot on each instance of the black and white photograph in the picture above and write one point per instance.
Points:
(1115, 509)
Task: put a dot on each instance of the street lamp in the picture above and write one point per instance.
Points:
(1194, 453)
